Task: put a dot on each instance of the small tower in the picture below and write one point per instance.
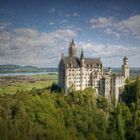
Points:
(62, 56)
(110, 70)
(82, 58)
(72, 49)
(125, 68)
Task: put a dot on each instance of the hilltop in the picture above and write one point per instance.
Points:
(17, 68)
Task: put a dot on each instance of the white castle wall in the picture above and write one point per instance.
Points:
(91, 75)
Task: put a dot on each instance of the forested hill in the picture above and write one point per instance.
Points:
(17, 68)
(48, 114)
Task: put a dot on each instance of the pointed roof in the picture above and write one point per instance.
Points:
(72, 49)
(82, 54)
(72, 42)
(125, 58)
(75, 62)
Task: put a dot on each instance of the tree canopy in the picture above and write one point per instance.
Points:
(49, 114)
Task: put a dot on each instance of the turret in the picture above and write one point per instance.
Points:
(125, 60)
(109, 70)
(82, 58)
(125, 68)
(62, 56)
(82, 55)
(72, 49)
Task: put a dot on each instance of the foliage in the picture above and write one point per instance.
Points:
(49, 114)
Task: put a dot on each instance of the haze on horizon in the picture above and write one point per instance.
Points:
(36, 32)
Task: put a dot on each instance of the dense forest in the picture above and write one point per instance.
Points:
(49, 114)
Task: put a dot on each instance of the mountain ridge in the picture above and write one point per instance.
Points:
(10, 68)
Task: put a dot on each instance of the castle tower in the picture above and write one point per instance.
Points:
(82, 69)
(125, 68)
(82, 57)
(72, 49)
(110, 70)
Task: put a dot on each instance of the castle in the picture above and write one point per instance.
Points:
(85, 72)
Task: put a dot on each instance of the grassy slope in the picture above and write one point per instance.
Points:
(9, 85)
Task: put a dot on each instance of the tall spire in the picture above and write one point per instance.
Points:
(72, 49)
(82, 54)
(62, 56)
(72, 42)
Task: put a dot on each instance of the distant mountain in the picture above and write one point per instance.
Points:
(17, 68)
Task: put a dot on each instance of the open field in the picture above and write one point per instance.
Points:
(10, 84)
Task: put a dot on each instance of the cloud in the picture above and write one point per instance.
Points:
(101, 22)
(75, 14)
(3, 25)
(111, 54)
(109, 50)
(26, 46)
(112, 32)
(53, 10)
(67, 15)
(125, 27)
(130, 25)
(4, 35)
(64, 21)
(51, 23)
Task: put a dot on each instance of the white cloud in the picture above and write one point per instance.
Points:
(67, 15)
(4, 35)
(109, 50)
(101, 22)
(53, 10)
(130, 25)
(75, 14)
(111, 54)
(64, 21)
(126, 27)
(51, 23)
(31, 47)
(2, 26)
(112, 32)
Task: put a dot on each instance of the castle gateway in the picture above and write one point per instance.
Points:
(83, 72)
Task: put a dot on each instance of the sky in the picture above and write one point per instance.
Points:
(36, 32)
